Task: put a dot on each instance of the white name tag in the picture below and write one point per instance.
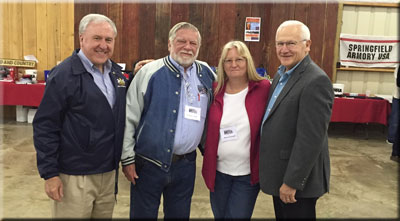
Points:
(192, 113)
(229, 133)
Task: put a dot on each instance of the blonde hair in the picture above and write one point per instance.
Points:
(243, 51)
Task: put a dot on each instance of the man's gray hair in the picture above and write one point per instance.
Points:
(305, 32)
(96, 18)
(183, 25)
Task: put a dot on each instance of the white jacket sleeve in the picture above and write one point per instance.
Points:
(134, 107)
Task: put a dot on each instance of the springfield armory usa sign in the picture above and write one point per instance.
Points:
(369, 51)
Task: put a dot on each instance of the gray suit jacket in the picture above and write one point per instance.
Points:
(294, 140)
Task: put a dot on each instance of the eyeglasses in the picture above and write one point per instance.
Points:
(238, 61)
(289, 44)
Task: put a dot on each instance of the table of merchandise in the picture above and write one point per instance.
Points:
(21, 94)
(360, 110)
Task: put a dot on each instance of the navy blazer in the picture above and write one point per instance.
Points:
(75, 130)
(294, 140)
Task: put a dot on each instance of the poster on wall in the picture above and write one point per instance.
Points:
(252, 29)
(369, 51)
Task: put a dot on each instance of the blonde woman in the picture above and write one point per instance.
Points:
(230, 166)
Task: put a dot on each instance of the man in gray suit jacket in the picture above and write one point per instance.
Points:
(294, 156)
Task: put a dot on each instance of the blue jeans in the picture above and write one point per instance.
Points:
(176, 186)
(233, 197)
(393, 129)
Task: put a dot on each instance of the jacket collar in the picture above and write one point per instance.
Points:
(171, 66)
(78, 68)
(296, 75)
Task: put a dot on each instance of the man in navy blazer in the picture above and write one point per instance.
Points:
(294, 156)
(79, 126)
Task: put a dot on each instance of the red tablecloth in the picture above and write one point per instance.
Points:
(355, 110)
(21, 94)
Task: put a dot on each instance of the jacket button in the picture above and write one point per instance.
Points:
(201, 75)
(176, 92)
(171, 131)
(169, 150)
(177, 75)
(174, 111)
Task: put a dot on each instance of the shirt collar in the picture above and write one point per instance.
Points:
(180, 67)
(89, 66)
(281, 69)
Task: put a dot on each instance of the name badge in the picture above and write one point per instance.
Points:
(228, 133)
(192, 113)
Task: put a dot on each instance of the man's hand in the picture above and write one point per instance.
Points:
(287, 193)
(54, 188)
(130, 173)
(140, 64)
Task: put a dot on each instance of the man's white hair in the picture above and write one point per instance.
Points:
(305, 32)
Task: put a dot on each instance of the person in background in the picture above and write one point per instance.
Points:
(139, 64)
(136, 67)
(294, 155)
(167, 104)
(78, 128)
(230, 165)
(393, 131)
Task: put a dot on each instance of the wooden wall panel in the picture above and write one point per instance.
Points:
(227, 25)
(29, 29)
(115, 14)
(98, 8)
(145, 30)
(83, 9)
(42, 35)
(269, 38)
(258, 49)
(316, 23)
(15, 33)
(209, 33)
(147, 24)
(180, 12)
(278, 15)
(300, 12)
(54, 35)
(129, 36)
(163, 12)
(329, 43)
(67, 25)
(5, 23)
(196, 12)
(42, 28)
(242, 11)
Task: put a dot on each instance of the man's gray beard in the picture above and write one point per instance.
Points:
(184, 62)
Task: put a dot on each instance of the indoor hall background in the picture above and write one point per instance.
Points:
(49, 29)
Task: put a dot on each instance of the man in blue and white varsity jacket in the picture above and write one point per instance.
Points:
(167, 104)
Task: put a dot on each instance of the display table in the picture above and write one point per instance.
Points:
(356, 110)
(21, 94)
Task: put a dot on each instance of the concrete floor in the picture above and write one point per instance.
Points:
(364, 182)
